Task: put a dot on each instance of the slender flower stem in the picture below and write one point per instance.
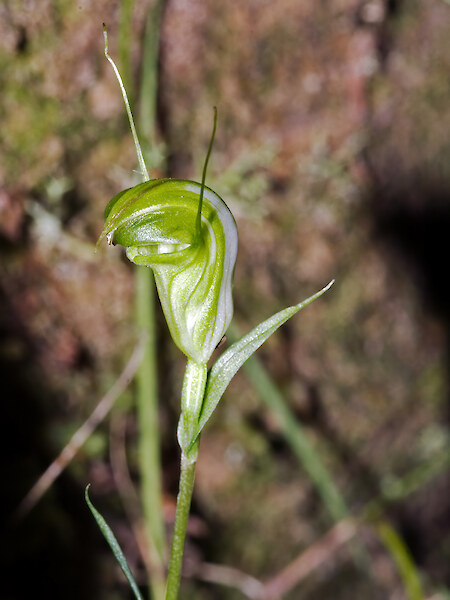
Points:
(192, 396)
(187, 476)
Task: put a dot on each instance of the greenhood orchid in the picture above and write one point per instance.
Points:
(186, 234)
(193, 261)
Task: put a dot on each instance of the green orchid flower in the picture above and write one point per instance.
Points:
(192, 259)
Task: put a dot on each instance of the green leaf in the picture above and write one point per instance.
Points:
(113, 544)
(230, 362)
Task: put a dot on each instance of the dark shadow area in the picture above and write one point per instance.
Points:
(412, 221)
(413, 218)
(46, 551)
(423, 524)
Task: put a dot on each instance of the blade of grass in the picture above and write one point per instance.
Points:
(402, 558)
(294, 433)
(320, 476)
(113, 544)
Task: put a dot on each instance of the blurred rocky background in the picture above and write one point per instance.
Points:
(333, 153)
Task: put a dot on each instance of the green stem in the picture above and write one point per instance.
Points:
(149, 77)
(187, 476)
(192, 396)
(124, 42)
(149, 448)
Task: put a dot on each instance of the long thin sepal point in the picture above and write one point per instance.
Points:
(198, 224)
(140, 156)
(113, 544)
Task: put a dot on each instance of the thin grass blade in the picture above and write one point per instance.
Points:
(113, 544)
(297, 437)
(402, 558)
